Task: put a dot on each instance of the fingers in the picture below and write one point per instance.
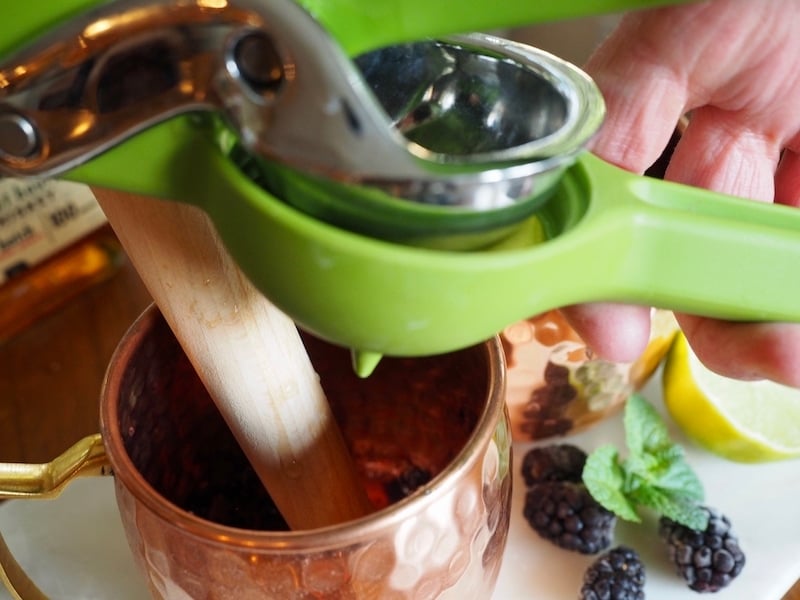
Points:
(717, 153)
(747, 351)
(628, 72)
(615, 332)
(657, 65)
(634, 136)
(787, 179)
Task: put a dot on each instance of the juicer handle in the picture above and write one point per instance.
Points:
(363, 26)
(358, 26)
(693, 250)
(609, 236)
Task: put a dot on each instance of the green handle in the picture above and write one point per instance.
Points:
(652, 242)
(358, 25)
(614, 236)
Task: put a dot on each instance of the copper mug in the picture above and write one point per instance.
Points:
(430, 437)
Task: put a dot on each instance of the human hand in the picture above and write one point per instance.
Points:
(733, 65)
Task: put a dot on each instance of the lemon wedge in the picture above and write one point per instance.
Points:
(744, 421)
(663, 328)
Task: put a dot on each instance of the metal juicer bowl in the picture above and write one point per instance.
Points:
(493, 125)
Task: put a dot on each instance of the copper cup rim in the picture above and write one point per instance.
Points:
(124, 471)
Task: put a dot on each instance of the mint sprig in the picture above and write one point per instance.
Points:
(655, 473)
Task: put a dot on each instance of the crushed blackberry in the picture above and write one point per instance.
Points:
(554, 462)
(565, 513)
(708, 560)
(618, 574)
(406, 483)
(544, 414)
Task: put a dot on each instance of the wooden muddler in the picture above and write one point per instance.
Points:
(248, 354)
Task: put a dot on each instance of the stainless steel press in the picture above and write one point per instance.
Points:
(474, 123)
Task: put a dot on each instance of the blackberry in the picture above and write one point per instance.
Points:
(616, 575)
(565, 513)
(708, 560)
(554, 462)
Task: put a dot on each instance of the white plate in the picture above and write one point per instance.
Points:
(74, 546)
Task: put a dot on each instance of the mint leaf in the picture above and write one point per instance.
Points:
(669, 471)
(645, 431)
(654, 457)
(604, 477)
(655, 473)
(679, 478)
(677, 507)
(692, 515)
(645, 466)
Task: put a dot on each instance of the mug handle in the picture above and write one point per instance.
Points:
(14, 578)
(87, 457)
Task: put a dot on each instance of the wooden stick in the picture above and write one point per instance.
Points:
(249, 356)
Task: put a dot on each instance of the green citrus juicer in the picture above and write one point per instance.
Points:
(354, 255)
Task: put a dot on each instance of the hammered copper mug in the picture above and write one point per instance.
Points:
(430, 437)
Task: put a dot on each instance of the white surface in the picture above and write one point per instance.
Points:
(74, 547)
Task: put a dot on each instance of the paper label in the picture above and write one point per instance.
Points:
(38, 218)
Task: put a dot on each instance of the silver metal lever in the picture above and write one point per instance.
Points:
(276, 75)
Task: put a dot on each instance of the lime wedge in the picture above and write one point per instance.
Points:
(745, 421)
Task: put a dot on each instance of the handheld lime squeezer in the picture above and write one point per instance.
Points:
(390, 184)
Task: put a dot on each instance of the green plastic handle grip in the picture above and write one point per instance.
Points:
(608, 235)
(358, 25)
